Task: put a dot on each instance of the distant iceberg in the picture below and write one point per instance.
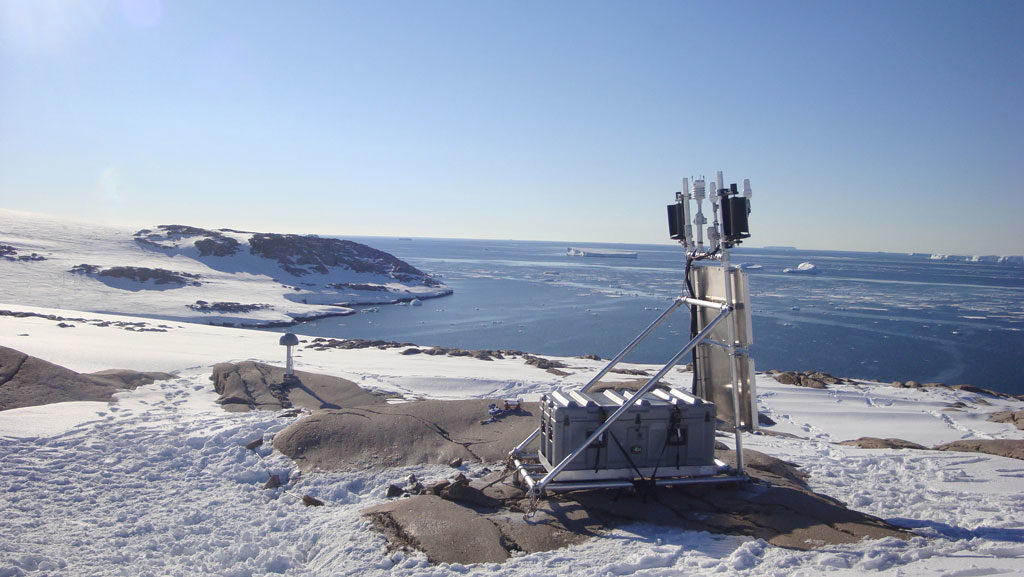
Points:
(803, 268)
(987, 258)
(601, 252)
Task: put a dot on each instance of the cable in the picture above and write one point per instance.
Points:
(690, 259)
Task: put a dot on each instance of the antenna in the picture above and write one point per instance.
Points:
(289, 340)
(687, 227)
(730, 209)
(699, 221)
(717, 296)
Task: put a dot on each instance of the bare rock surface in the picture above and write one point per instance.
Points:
(1013, 448)
(458, 521)
(1016, 418)
(776, 507)
(250, 385)
(405, 434)
(27, 381)
(876, 443)
(445, 531)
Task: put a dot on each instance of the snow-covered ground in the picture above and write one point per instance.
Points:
(49, 261)
(160, 483)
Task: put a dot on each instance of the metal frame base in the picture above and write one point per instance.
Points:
(530, 473)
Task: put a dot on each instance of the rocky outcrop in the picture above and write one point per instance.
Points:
(486, 524)
(960, 387)
(325, 343)
(308, 254)
(172, 236)
(250, 385)
(8, 252)
(404, 434)
(1016, 418)
(462, 521)
(876, 443)
(228, 307)
(134, 326)
(27, 381)
(140, 275)
(1012, 448)
(812, 379)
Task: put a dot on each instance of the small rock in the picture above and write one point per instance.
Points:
(786, 378)
(393, 491)
(311, 501)
(764, 420)
(436, 489)
(976, 390)
(460, 479)
(254, 444)
(455, 463)
(273, 482)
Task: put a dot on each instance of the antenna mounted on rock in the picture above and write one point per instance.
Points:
(289, 340)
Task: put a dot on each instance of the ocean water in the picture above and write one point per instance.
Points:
(877, 316)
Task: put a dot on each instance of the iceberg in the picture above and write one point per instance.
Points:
(601, 252)
(803, 268)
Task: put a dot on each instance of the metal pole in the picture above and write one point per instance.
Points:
(629, 348)
(731, 332)
(676, 481)
(523, 445)
(703, 303)
(539, 487)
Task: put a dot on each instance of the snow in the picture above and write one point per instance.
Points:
(159, 482)
(49, 420)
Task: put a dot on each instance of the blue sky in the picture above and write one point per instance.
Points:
(862, 125)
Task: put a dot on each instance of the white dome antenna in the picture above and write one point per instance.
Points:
(289, 340)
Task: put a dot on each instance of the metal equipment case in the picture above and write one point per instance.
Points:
(667, 433)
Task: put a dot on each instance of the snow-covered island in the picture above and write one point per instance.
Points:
(185, 273)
